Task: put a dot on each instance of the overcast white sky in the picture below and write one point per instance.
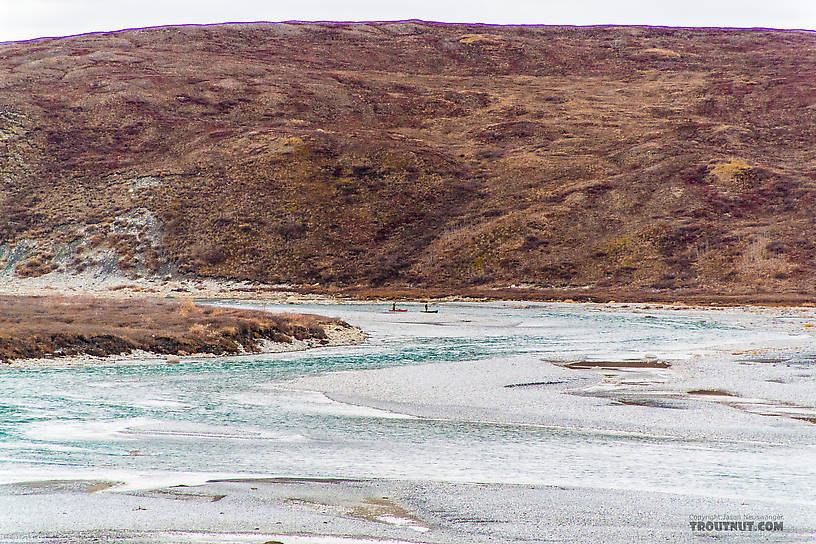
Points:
(26, 19)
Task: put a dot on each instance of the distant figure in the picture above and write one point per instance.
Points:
(428, 310)
(394, 307)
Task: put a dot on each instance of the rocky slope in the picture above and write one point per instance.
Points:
(415, 154)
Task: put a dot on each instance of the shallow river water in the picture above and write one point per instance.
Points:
(149, 424)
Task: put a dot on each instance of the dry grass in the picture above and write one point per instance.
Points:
(36, 265)
(659, 52)
(57, 326)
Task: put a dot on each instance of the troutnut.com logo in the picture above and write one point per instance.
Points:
(711, 523)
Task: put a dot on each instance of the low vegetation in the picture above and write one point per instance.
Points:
(34, 327)
(417, 155)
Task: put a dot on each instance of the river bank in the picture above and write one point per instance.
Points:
(115, 285)
(368, 511)
(81, 329)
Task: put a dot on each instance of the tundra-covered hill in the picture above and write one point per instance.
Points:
(415, 154)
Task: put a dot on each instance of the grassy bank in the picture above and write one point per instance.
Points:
(54, 326)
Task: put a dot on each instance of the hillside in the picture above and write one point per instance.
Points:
(407, 154)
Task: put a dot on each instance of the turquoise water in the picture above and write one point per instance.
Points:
(144, 422)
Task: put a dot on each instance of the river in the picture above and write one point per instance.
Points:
(744, 435)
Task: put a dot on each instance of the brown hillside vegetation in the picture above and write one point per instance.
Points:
(416, 154)
(32, 327)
